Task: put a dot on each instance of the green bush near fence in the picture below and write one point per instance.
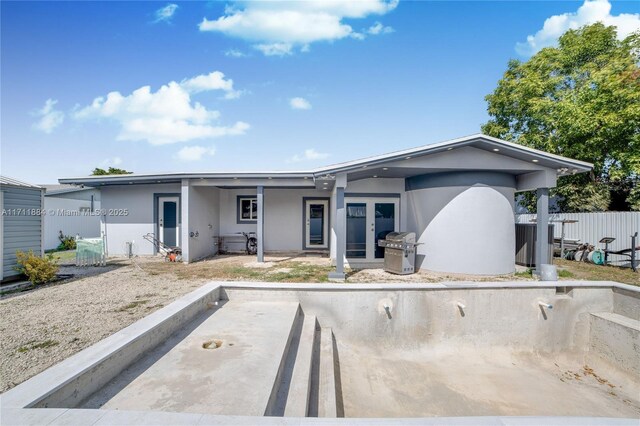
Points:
(67, 242)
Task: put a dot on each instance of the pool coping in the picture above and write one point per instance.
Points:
(60, 416)
(445, 285)
(16, 403)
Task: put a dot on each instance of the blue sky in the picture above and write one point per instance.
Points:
(256, 86)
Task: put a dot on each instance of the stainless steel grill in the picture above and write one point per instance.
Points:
(399, 252)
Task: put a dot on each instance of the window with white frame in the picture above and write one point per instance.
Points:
(248, 209)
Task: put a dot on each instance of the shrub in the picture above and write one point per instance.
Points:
(67, 242)
(37, 269)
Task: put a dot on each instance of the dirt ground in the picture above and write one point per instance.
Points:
(588, 271)
(45, 325)
(300, 269)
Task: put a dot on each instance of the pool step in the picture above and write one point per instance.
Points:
(223, 363)
(297, 403)
(327, 402)
(620, 320)
(610, 330)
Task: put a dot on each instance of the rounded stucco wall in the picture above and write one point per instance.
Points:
(464, 222)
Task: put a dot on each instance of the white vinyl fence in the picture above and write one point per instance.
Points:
(60, 217)
(592, 227)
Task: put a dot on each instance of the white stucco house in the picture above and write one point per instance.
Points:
(457, 196)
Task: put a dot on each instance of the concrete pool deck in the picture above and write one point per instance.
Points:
(399, 350)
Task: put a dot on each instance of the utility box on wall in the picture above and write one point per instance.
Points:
(526, 244)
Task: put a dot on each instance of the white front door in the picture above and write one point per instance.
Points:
(316, 224)
(168, 221)
(369, 220)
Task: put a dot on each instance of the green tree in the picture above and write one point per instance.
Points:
(110, 171)
(580, 100)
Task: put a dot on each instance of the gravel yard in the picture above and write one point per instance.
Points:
(42, 327)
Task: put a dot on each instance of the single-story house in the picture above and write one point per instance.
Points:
(21, 223)
(71, 209)
(457, 196)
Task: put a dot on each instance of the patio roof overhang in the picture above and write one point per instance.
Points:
(538, 159)
(399, 164)
(231, 179)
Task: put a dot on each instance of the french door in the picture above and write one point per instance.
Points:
(168, 222)
(316, 224)
(368, 221)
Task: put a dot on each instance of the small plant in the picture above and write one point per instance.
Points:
(524, 274)
(132, 305)
(67, 242)
(563, 273)
(38, 269)
(42, 345)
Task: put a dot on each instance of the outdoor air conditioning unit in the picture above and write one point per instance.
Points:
(526, 244)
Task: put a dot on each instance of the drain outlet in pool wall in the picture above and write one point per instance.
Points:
(212, 344)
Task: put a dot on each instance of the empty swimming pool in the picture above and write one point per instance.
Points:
(357, 351)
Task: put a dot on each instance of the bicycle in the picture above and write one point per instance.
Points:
(252, 242)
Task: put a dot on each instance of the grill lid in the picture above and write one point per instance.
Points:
(401, 237)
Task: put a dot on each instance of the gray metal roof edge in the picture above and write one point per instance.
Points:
(452, 143)
(68, 190)
(7, 181)
(178, 176)
(580, 166)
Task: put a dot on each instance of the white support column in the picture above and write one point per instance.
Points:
(542, 228)
(340, 228)
(184, 222)
(260, 230)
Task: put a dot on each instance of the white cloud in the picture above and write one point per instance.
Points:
(299, 103)
(235, 53)
(195, 153)
(49, 118)
(275, 49)
(168, 115)
(378, 28)
(164, 14)
(309, 155)
(278, 28)
(212, 81)
(111, 162)
(590, 12)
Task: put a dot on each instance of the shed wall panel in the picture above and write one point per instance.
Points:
(21, 230)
